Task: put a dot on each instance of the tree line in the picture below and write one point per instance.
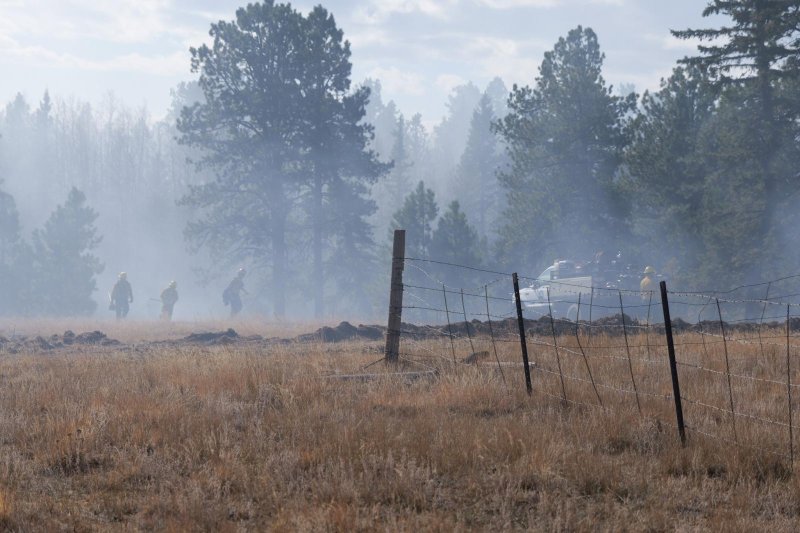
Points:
(698, 178)
(301, 174)
(53, 271)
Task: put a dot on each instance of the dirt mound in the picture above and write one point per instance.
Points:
(40, 344)
(459, 329)
(612, 325)
(345, 331)
(372, 333)
(221, 337)
(68, 337)
(91, 338)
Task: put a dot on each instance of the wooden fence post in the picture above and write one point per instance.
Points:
(523, 342)
(392, 352)
(673, 366)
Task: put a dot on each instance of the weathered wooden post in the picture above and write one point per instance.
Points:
(392, 352)
(673, 365)
(523, 342)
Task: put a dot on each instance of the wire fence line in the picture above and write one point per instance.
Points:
(605, 347)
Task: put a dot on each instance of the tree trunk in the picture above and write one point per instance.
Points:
(318, 281)
(279, 261)
(766, 148)
(767, 133)
(483, 201)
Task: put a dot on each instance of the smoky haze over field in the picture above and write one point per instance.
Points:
(282, 149)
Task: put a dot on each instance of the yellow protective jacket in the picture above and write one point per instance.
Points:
(647, 285)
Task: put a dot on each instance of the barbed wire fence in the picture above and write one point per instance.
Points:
(725, 357)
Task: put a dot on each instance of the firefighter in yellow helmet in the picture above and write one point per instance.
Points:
(647, 285)
(232, 295)
(169, 297)
(121, 296)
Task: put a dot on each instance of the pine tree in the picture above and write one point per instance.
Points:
(752, 49)
(382, 117)
(334, 141)
(9, 226)
(16, 159)
(65, 268)
(352, 260)
(417, 143)
(398, 183)
(478, 188)
(44, 153)
(666, 171)
(14, 267)
(456, 241)
(753, 54)
(450, 139)
(498, 96)
(280, 134)
(733, 201)
(390, 191)
(451, 134)
(417, 217)
(564, 139)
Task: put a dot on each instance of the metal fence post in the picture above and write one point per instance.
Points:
(673, 366)
(523, 342)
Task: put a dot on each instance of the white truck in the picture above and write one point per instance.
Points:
(568, 289)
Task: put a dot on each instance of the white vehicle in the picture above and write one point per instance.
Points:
(558, 289)
(585, 290)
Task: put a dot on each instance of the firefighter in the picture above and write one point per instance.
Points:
(232, 295)
(121, 296)
(168, 298)
(647, 285)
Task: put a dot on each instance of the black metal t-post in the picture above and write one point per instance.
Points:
(523, 342)
(673, 365)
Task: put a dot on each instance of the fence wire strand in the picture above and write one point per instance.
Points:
(738, 351)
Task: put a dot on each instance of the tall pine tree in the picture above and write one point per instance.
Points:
(65, 267)
(417, 216)
(281, 129)
(564, 138)
(665, 172)
(455, 241)
(334, 140)
(15, 272)
(750, 56)
(478, 188)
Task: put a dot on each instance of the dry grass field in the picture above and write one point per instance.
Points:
(240, 437)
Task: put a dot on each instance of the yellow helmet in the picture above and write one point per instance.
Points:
(649, 270)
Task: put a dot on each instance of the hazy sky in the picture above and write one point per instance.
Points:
(138, 49)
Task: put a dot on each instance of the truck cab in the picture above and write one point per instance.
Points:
(557, 289)
(569, 288)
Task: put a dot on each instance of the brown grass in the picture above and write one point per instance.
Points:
(229, 438)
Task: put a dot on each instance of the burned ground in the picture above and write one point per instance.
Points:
(344, 332)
